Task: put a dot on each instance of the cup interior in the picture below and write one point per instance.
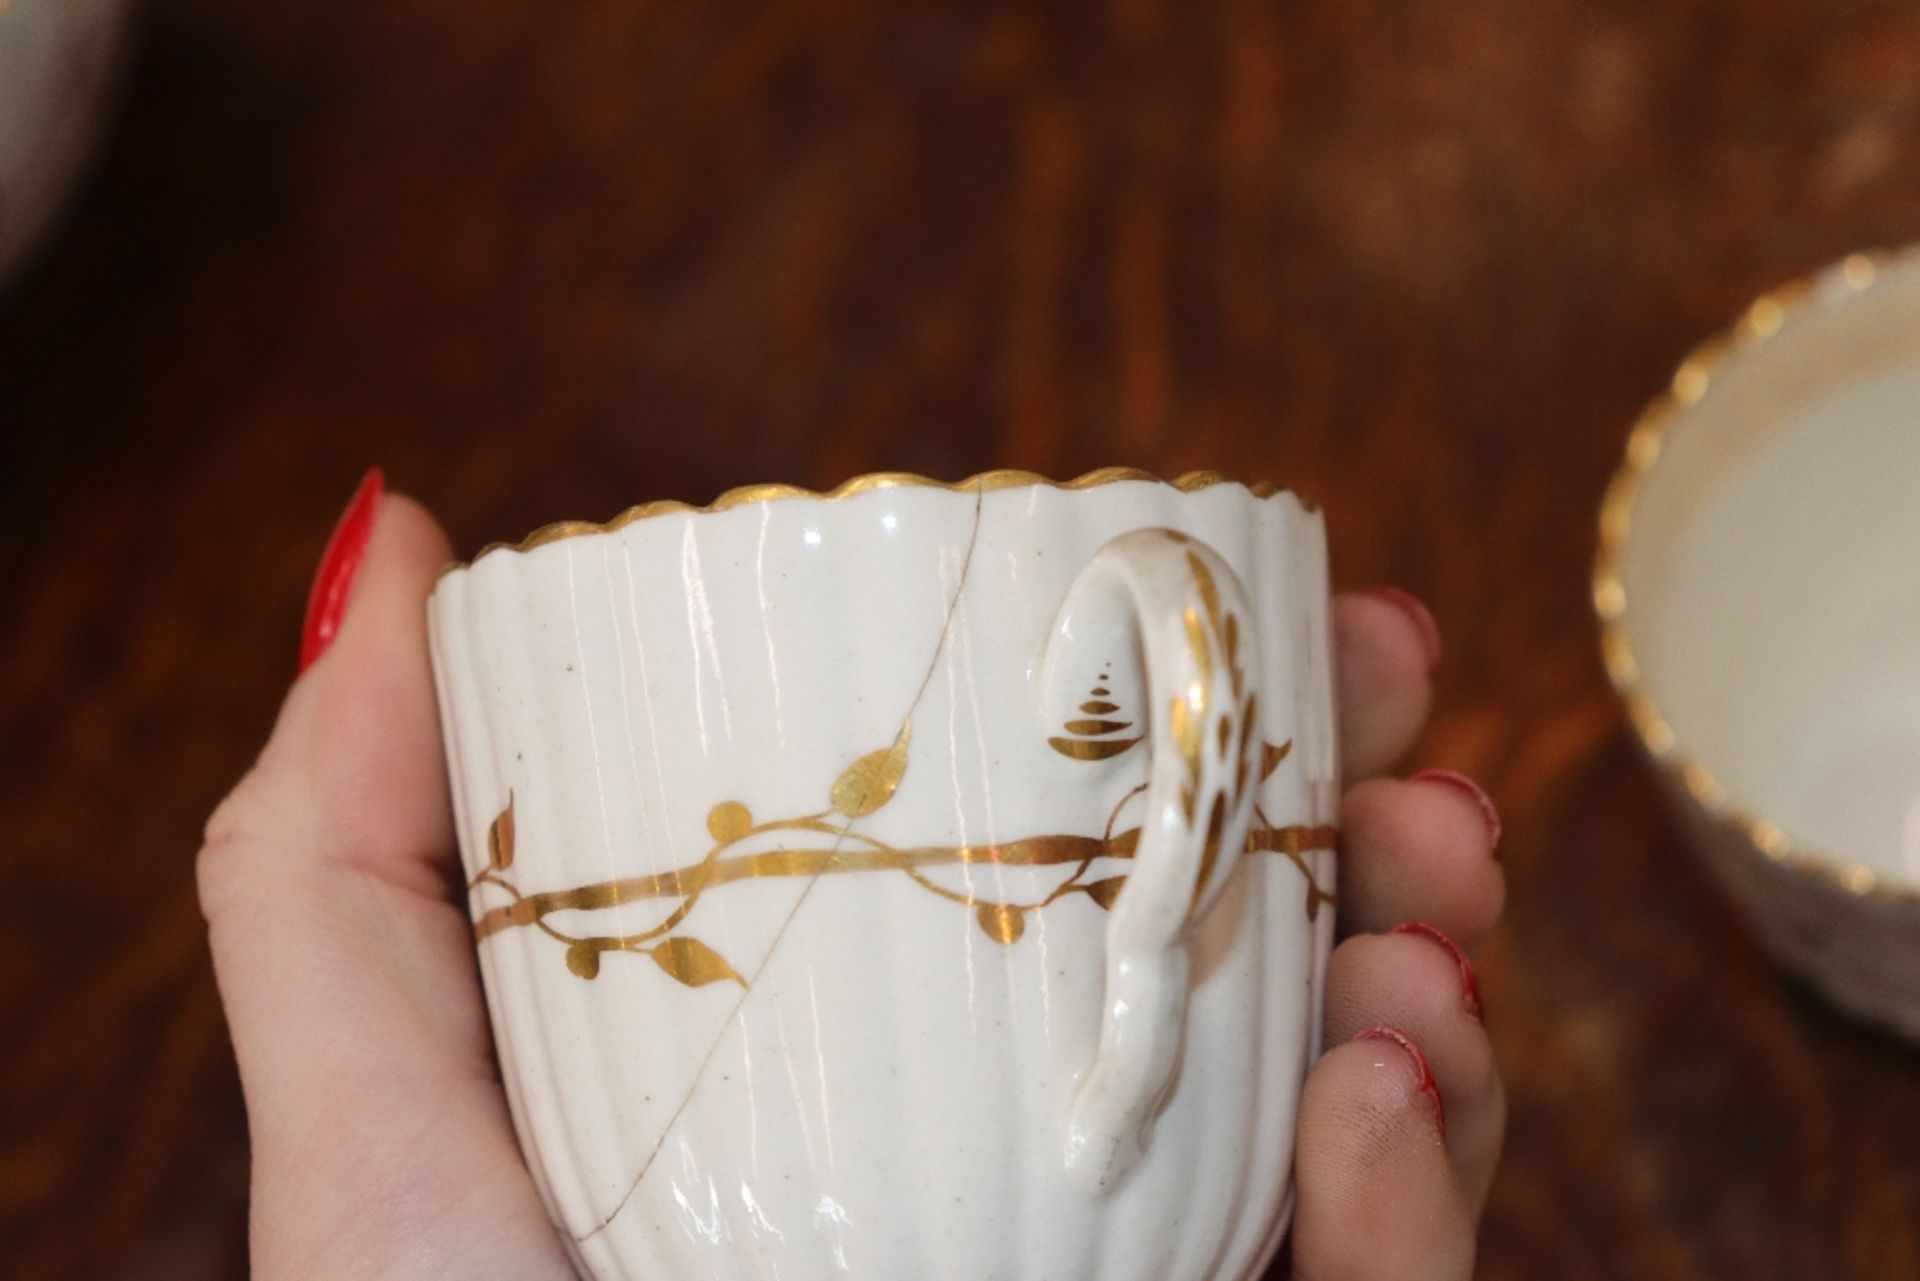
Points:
(1771, 571)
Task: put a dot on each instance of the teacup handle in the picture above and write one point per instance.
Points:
(1202, 666)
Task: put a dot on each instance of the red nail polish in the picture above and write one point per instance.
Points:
(1423, 621)
(1426, 1084)
(1470, 986)
(333, 582)
(1473, 792)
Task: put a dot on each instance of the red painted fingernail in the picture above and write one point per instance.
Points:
(1427, 1085)
(1469, 986)
(1474, 792)
(333, 581)
(1423, 622)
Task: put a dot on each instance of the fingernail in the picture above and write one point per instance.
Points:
(1423, 622)
(1469, 986)
(1474, 792)
(1426, 1084)
(333, 581)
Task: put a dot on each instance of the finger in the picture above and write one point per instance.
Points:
(1385, 647)
(348, 973)
(1418, 979)
(1377, 1194)
(1420, 848)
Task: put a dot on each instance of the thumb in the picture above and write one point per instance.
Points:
(351, 776)
(346, 964)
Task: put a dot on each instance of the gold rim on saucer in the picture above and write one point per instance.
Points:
(1857, 274)
(747, 495)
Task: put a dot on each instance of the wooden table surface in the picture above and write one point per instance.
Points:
(1423, 261)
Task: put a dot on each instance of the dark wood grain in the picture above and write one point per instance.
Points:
(1422, 260)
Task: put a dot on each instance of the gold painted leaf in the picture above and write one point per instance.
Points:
(583, 958)
(1271, 756)
(1096, 727)
(1105, 892)
(1098, 708)
(500, 839)
(1187, 732)
(1003, 922)
(694, 963)
(1091, 749)
(1210, 848)
(729, 821)
(1202, 649)
(1209, 590)
(871, 781)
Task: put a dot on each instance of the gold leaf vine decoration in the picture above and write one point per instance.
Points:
(826, 842)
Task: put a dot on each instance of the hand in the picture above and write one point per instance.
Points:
(1386, 1188)
(381, 1140)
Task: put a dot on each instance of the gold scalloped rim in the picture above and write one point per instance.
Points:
(1763, 319)
(747, 495)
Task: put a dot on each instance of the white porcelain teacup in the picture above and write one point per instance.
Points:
(913, 881)
(1760, 604)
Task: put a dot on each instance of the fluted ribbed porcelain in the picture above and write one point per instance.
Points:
(917, 882)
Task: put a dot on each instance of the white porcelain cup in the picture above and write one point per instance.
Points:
(915, 881)
(1760, 610)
